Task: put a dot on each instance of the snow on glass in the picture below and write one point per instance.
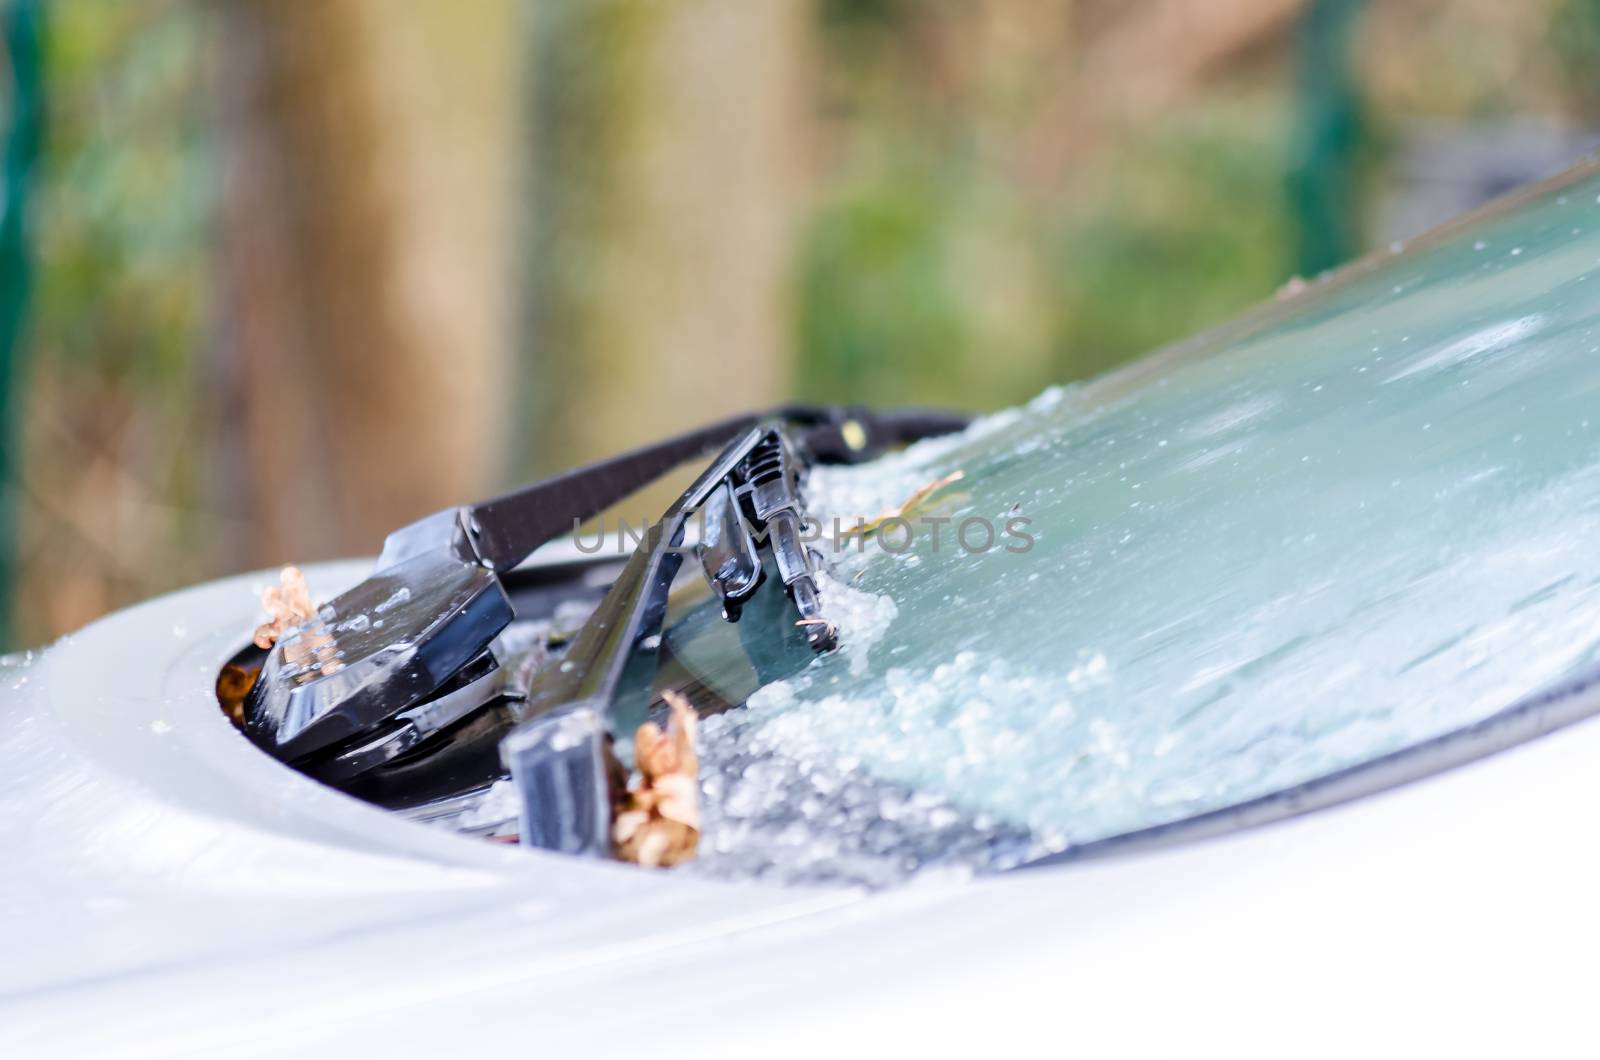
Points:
(1365, 516)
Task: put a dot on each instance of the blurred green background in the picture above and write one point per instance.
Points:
(278, 277)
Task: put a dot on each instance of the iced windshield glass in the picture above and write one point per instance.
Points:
(1365, 516)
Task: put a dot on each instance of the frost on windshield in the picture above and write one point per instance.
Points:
(1365, 516)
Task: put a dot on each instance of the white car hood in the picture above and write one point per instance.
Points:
(168, 889)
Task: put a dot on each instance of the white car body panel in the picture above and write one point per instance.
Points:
(167, 889)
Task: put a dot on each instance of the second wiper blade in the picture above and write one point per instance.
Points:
(560, 757)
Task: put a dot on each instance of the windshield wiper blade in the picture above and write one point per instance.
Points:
(390, 667)
(562, 757)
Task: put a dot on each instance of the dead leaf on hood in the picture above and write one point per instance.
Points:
(233, 685)
(659, 823)
(287, 604)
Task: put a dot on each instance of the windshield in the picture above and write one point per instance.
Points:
(1365, 516)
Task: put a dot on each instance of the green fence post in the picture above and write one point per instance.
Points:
(1324, 178)
(23, 26)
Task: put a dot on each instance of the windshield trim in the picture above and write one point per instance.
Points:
(1563, 704)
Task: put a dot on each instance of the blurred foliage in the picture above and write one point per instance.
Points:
(1132, 260)
(128, 192)
(115, 481)
(992, 197)
(886, 244)
(939, 270)
(1574, 40)
(1149, 259)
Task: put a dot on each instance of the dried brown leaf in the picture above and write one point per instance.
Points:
(629, 823)
(659, 823)
(678, 799)
(287, 604)
(233, 685)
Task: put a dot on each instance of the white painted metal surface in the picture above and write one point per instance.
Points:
(166, 889)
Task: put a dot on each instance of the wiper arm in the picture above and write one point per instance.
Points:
(385, 669)
(560, 758)
(759, 502)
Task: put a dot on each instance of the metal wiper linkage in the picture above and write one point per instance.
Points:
(760, 497)
(385, 669)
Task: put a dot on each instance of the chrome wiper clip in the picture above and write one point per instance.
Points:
(759, 503)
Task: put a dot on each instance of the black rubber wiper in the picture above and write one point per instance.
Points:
(409, 655)
(560, 757)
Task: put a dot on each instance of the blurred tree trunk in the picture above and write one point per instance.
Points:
(368, 184)
(668, 146)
